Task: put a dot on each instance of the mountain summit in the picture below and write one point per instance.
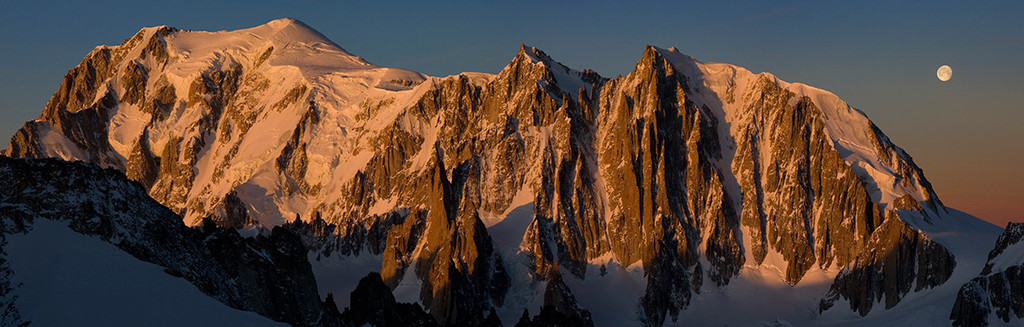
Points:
(668, 195)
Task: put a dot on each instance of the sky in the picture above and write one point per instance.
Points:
(880, 56)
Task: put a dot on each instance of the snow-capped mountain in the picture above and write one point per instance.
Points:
(654, 198)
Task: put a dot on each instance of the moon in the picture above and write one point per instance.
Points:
(944, 73)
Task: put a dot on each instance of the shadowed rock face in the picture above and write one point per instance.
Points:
(646, 168)
(896, 260)
(270, 274)
(559, 309)
(373, 304)
(998, 288)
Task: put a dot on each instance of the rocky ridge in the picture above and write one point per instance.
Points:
(268, 275)
(997, 294)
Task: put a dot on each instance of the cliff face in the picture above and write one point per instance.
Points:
(691, 170)
(998, 291)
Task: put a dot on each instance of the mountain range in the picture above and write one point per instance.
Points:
(331, 191)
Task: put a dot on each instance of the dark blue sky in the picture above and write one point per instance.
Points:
(881, 57)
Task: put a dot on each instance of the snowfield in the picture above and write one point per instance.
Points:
(83, 281)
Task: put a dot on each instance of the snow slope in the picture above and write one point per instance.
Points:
(83, 281)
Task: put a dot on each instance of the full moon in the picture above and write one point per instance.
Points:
(944, 73)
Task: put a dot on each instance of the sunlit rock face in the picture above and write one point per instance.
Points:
(690, 171)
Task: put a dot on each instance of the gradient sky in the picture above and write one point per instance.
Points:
(881, 57)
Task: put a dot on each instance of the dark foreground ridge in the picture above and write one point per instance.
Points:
(271, 274)
(999, 288)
